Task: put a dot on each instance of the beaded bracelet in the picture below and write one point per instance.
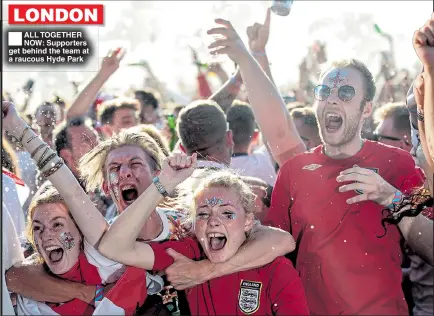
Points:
(233, 81)
(53, 169)
(46, 161)
(397, 198)
(32, 138)
(43, 155)
(420, 116)
(99, 293)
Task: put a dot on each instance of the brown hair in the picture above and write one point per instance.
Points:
(92, 164)
(108, 108)
(241, 122)
(307, 115)
(358, 65)
(202, 127)
(396, 111)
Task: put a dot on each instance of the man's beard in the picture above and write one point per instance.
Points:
(351, 130)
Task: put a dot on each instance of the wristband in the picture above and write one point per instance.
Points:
(420, 116)
(258, 54)
(233, 81)
(99, 294)
(397, 198)
(160, 187)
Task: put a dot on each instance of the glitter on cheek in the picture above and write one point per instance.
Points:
(117, 193)
(113, 178)
(67, 240)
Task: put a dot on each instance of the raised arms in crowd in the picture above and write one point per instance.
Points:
(278, 129)
(86, 97)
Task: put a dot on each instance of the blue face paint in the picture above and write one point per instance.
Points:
(67, 240)
(214, 201)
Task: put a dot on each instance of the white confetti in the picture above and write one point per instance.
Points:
(345, 240)
(6, 189)
(312, 227)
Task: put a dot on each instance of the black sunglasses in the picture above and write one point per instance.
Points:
(345, 93)
(379, 137)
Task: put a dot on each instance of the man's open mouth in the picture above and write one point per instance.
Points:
(216, 241)
(333, 122)
(55, 253)
(129, 193)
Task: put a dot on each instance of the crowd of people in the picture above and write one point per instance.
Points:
(237, 203)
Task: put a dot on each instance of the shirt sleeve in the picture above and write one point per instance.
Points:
(109, 270)
(188, 247)
(287, 292)
(408, 177)
(278, 215)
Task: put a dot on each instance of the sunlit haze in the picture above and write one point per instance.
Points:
(161, 31)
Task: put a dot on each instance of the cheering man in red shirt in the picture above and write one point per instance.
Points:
(332, 198)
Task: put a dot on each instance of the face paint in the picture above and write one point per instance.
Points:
(113, 178)
(337, 78)
(214, 201)
(67, 240)
(114, 181)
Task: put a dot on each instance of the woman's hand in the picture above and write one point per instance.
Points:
(423, 43)
(10, 118)
(176, 169)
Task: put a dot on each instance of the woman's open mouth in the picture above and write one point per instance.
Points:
(216, 241)
(129, 194)
(333, 122)
(55, 253)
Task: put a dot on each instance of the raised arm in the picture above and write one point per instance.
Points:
(27, 280)
(120, 242)
(278, 129)
(109, 65)
(90, 221)
(228, 91)
(423, 43)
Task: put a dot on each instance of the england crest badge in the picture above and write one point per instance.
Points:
(249, 296)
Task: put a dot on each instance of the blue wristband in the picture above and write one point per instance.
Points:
(397, 198)
(99, 293)
(258, 54)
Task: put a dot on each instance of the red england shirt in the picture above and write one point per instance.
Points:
(274, 289)
(344, 266)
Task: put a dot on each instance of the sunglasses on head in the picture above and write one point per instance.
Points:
(345, 93)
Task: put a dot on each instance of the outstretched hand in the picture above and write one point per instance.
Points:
(111, 62)
(258, 34)
(423, 43)
(9, 116)
(176, 169)
(229, 42)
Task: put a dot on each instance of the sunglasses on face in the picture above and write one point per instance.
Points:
(345, 93)
(379, 138)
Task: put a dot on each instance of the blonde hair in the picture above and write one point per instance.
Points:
(368, 79)
(92, 164)
(228, 180)
(49, 195)
(152, 131)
